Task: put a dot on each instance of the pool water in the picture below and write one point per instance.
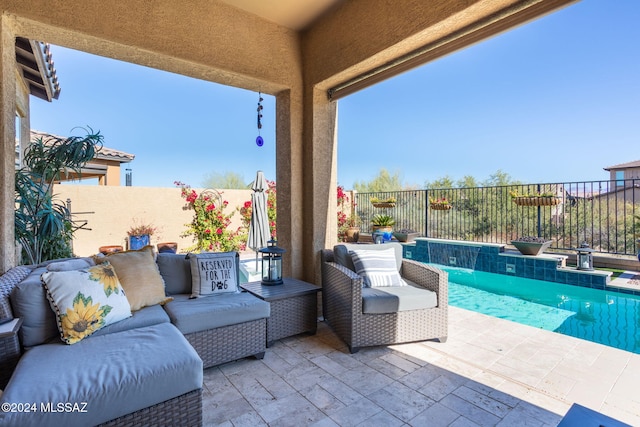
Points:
(605, 317)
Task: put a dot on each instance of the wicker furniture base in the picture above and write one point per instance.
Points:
(294, 308)
(185, 410)
(342, 307)
(227, 343)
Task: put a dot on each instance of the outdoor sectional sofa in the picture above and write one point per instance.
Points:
(144, 370)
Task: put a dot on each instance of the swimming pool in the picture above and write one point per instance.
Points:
(601, 316)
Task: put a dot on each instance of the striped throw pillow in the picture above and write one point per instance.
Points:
(377, 267)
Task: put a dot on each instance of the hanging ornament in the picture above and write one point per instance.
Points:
(259, 140)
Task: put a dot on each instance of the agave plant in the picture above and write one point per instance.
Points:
(383, 220)
(42, 224)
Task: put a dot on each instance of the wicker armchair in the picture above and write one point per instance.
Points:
(342, 306)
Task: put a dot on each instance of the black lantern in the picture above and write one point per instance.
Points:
(585, 257)
(272, 264)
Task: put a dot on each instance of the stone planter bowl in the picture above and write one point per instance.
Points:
(531, 248)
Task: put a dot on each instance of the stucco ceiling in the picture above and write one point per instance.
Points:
(294, 14)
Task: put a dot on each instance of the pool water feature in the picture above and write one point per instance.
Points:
(601, 316)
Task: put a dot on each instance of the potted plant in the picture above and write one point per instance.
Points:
(439, 204)
(535, 199)
(531, 245)
(382, 227)
(388, 202)
(43, 225)
(353, 228)
(140, 235)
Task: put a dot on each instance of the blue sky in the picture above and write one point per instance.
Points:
(557, 99)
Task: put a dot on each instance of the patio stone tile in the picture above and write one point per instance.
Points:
(437, 415)
(344, 359)
(518, 419)
(325, 422)
(513, 375)
(278, 387)
(355, 413)
(421, 377)
(248, 419)
(390, 370)
(303, 417)
(557, 384)
(403, 362)
(301, 378)
(533, 411)
(494, 394)
(401, 401)
(470, 411)
(329, 365)
(289, 405)
(322, 399)
(365, 380)
(222, 391)
(483, 401)
(340, 390)
(441, 386)
(252, 391)
(463, 422)
(382, 418)
(217, 413)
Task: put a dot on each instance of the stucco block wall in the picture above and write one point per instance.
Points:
(115, 209)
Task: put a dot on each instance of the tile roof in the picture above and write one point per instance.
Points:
(105, 153)
(35, 63)
(634, 164)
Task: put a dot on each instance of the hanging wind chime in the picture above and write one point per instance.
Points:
(259, 140)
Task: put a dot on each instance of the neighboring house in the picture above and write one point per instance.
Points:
(624, 172)
(625, 182)
(105, 165)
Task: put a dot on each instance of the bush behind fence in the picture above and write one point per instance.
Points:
(604, 214)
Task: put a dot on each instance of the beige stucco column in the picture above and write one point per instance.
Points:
(320, 174)
(8, 134)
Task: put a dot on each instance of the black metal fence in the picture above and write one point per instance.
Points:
(605, 214)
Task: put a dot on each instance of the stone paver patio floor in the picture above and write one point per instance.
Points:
(490, 372)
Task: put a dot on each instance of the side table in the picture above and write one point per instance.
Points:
(293, 307)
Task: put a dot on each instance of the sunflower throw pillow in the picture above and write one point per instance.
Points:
(85, 300)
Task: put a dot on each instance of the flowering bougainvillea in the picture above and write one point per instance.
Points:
(342, 216)
(210, 225)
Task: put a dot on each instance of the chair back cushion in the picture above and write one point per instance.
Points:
(342, 255)
(378, 268)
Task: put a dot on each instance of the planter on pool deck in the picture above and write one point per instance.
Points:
(531, 248)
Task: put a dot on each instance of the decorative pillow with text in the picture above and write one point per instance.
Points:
(214, 273)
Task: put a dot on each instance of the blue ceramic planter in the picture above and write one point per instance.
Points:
(138, 242)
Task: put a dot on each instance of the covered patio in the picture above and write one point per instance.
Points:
(308, 54)
(491, 372)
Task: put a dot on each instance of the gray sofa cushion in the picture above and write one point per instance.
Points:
(342, 256)
(175, 269)
(397, 298)
(199, 314)
(146, 316)
(29, 301)
(115, 375)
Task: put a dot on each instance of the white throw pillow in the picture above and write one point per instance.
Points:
(85, 300)
(214, 273)
(377, 267)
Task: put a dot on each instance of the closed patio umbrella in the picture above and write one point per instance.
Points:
(259, 224)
